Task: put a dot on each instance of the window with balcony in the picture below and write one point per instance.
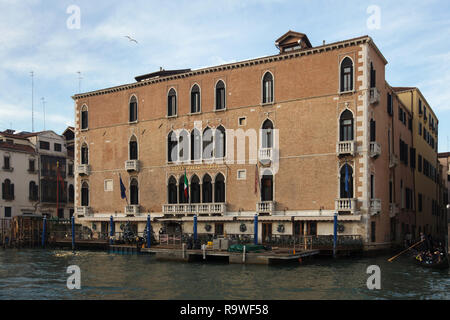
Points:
(133, 148)
(84, 154)
(195, 189)
(196, 146)
(346, 75)
(267, 88)
(84, 117)
(219, 189)
(220, 142)
(346, 182)
(134, 192)
(172, 190)
(373, 135)
(195, 99)
(207, 189)
(85, 194)
(208, 146)
(172, 147)
(267, 186)
(183, 195)
(220, 95)
(172, 103)
(183, 146)
(346, 126)
(267, 134)
(133, 108)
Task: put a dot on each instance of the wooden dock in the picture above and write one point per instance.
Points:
(268, 257)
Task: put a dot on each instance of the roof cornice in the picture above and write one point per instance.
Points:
(235, 65)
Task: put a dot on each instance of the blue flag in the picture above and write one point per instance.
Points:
(123, 191)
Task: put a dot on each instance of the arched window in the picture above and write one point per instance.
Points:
(195, 189)
(184, 197)
(133, 109)
(220, 142)
(84, 117)
(267, 134)
(208, 146)
(267, 186)
(267, 88)
(172, 147)
(172, 103)
(134, 192)
(220, 95)
(196, 146)
(219, 189)
(71, 193)
(346, 126)
(207, 189)
(195, 99)
(183, 146)
(172, 190)
(346, 75)
(84, 154)
(346, 183)
(85, 194)
(133, 148)
(33, 191)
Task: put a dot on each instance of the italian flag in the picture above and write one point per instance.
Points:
(185, 185)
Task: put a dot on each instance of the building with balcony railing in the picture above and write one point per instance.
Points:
(269, 137)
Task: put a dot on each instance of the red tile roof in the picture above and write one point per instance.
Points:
(17, 147)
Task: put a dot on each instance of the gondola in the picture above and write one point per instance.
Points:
(432, 263)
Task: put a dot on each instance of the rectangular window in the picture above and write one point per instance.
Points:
(57, 147)
(70, 169)
(410, 124)
(242, 174)
(420, 128)
(44, 145)
(420, 107)
(108, 185)
(31, 166)
(373, 231)
(242, 121)
(391, 198)
(372, 186)
(7, 212)
(6, 163)
(390, 108)
(412, 157)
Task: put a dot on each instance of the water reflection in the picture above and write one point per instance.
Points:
(41, 274)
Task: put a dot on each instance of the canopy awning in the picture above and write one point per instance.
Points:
(329, 218)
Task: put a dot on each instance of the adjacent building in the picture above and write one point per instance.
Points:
(293, 138)
(37, 174)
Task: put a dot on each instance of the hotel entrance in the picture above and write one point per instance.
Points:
(266, 232)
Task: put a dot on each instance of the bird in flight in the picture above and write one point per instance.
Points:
(131, 39)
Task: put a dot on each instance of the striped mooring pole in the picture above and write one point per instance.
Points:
(44, 227)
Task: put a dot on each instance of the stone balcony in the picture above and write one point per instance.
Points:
(393, 161)
(374, 96)
(265, 207)
(345, 205)
(265, 155)
(83, 211)
(195, 208)
(346, 147)
(132, 165)
(84, 169)
(375, 206)
(374, 149)
(393, 210)
(132, 210)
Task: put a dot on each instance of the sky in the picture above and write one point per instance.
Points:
(46, 38)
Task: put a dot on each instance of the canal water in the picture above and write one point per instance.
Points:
(41, 274)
